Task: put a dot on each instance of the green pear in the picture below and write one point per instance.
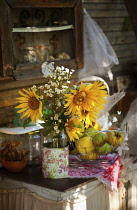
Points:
(99, 139)
(91, 131)
(105, 149)
(82, 127)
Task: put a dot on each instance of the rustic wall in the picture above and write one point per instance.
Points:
(110, 16)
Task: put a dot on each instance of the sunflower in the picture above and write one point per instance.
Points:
(30, 105)
(72, 131)
(88, 116)
(86, 97)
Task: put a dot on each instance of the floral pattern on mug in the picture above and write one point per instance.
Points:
(55, 162)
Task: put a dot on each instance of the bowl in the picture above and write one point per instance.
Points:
(14, 166)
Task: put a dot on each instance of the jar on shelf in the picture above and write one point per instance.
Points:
(29, 55)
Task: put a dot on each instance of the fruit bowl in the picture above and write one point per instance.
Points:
(96, 143)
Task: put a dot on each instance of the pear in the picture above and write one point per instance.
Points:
(99, 139)
(91, 131)
(85, 145)
(82, 127)
(115, 138)
(91, 156)
(105, 149)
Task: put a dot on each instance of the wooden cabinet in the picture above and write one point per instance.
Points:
(32, 32)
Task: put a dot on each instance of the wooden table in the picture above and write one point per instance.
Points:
(29, 190)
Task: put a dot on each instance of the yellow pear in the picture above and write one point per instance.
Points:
(115, 138)
(85, 145)
(91, 156)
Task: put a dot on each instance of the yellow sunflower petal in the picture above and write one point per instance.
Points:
(21, 99)
(22, 110)
(30, 93)
(24, 105)
(23, 94)
(26, 114)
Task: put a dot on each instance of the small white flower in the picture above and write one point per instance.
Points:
(56, 117)
(59, 104)
(115, 119)
(110, 124)
(34, 88)
(58, 68)
(57, 131)
(67, 70)
(41, 87)
(54, 84)
(45, 91)
(47, 86)
(57, 90)
(59, 78)
(51, 95)
(122, 147)
(55, 127)
(126, 137)
(62, 68)
(41, 97)
(64, 86)
(66, 113)
(119, 112)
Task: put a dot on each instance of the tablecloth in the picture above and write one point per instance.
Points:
(106, 169)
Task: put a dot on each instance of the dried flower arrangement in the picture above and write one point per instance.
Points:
(11, 151)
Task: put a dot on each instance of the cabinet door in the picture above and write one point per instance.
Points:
(33, 32)
(6, 45)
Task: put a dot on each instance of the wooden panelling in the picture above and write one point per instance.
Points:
(6, 115)
(106, 10)
(41, 3)
(123, 52)
(20, 84)
(111, 24)
(103, 1)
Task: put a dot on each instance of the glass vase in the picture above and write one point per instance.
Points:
(54, 140)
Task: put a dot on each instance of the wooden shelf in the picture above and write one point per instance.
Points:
(42, 29)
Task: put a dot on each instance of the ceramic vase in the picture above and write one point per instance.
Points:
(55, 162)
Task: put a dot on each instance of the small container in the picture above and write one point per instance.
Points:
(31, 141)
(35, 145)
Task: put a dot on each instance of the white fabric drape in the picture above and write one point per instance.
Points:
(23, 199)
(99, 198)
(99, 55)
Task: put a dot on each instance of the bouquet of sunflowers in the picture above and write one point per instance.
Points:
(60, 106)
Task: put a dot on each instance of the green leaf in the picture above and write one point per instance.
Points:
(26, 122)
(47, 131)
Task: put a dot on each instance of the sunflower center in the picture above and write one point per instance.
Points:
(70, 125)
(84, 112)
(79, 98)
(33, 103)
